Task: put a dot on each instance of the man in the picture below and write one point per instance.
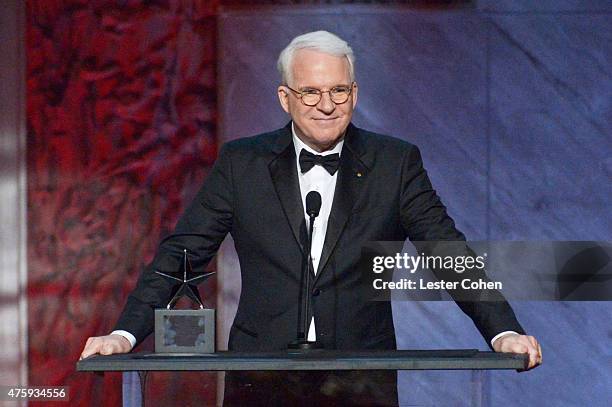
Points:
(373, 188)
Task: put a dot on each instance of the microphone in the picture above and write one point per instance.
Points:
(313, 204)
(313, 207)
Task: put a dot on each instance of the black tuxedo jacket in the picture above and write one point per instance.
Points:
(383, 193)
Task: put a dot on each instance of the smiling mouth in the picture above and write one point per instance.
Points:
(325, 118)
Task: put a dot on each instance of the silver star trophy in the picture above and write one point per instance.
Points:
(185, 331)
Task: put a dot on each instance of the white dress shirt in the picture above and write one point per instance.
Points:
(317, 179)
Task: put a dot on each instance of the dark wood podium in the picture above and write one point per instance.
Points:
(460, 359)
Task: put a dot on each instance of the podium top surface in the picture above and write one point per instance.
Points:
(459, 359)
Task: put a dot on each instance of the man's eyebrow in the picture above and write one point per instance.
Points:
(340, 85)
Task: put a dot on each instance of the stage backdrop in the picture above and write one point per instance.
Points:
(121, 105)
(510, 104)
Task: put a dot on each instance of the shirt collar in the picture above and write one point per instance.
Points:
(299, 145)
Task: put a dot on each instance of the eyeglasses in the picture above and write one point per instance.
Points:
(312, 96)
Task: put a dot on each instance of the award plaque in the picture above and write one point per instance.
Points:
(185, 330)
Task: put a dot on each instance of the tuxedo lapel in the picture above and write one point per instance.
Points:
(351, 177)
(285, 179)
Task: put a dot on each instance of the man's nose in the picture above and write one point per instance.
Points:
(326, 105)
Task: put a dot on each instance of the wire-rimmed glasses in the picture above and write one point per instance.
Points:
(312, 96)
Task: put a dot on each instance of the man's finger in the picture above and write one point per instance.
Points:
(533, 357)
(539, 354)
(533, 352)
(91, 348)
(538, 349)
(533, 341)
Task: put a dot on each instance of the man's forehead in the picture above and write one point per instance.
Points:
(317, 66)
(309, 56)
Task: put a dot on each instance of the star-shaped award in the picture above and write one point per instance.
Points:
(188, 280)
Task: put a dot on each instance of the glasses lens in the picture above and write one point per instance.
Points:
(311, 98)
(339, 95)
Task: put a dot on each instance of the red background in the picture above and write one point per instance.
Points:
(121, 105)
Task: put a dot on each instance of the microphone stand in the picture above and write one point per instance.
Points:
(302, 341)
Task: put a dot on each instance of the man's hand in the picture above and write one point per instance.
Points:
(106, 345)
(516, 343)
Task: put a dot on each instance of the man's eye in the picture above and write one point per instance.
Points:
(340, 90)
(310, 91)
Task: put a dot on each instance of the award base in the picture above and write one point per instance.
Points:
(184, 331)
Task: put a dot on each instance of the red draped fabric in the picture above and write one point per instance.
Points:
(121, 106)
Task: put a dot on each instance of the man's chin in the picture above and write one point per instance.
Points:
(327, 132)
(327, 124)
(327, 143)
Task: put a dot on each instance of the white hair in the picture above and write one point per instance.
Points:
(322, 41)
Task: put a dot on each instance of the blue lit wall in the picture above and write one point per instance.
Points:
(510, 103)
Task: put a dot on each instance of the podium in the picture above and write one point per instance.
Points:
(317, 360)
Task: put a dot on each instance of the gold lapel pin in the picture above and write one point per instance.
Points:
(359, 174)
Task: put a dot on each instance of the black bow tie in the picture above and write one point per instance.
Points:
(308, 160)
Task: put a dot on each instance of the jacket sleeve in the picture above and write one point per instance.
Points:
(425, 220)
(201, 230)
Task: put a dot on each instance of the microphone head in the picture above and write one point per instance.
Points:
(313, 204)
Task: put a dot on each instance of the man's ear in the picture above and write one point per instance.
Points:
(355, 91)
(283, 98)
